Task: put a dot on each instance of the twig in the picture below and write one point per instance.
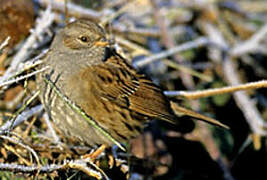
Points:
(22, 77)
(51, 129)
(22, 108)
(73, 9)
(183, 47)
(132, 45)
(21, 118)
(78, 164)
(188, 70)
(115, 14)
(42, 24)
(168, 42)
(30, 169)
(4, 43)
(10, 139)
(81, 165)
(97, 168)
(251, 45)
(35, 61)
(216, 91)
(248, 108)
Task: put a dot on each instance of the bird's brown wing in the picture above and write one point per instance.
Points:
(119, 83)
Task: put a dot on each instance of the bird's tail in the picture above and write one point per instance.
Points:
(181, 111)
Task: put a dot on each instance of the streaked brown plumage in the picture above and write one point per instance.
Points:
(94, 77)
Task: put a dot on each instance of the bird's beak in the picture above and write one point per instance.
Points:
(101, 43)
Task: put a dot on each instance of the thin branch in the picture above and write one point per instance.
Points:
(51, 129)
(73, 9)
(22, 77)
(183, 47)
(115, 14)
(4, 43)
(10, 139)
(30, 169)
(20, 119)
(251, 114)
(216, 91)
(24, 106)
(187, 70)
(42, 24)
(251, 45)
(78, 164)
(247, 106)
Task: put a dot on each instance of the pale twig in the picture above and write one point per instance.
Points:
(73, 9)
(147, 32)
(188, 70)
(115, 14)
(216, 91)
(131, 45)
(22, 108)
(20, 118)
(169, 42)
(79, 164)
(22, 68)
(42, 24)
(250, 45)
(30, 169)
(51, 129)
(35, 61)
(248, 108)
(183, 47)
(97, 168)
(22, 77)
(4, 43)
(14, 141)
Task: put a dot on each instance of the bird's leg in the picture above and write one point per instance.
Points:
(92, 156)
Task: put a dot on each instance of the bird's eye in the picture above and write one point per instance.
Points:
(84, 38)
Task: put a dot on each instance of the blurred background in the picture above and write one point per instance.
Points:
(215, 43)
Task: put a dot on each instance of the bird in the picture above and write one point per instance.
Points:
(84, 67)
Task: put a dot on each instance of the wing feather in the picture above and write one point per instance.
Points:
(119, 83)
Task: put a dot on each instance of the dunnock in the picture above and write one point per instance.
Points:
(84, 67)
